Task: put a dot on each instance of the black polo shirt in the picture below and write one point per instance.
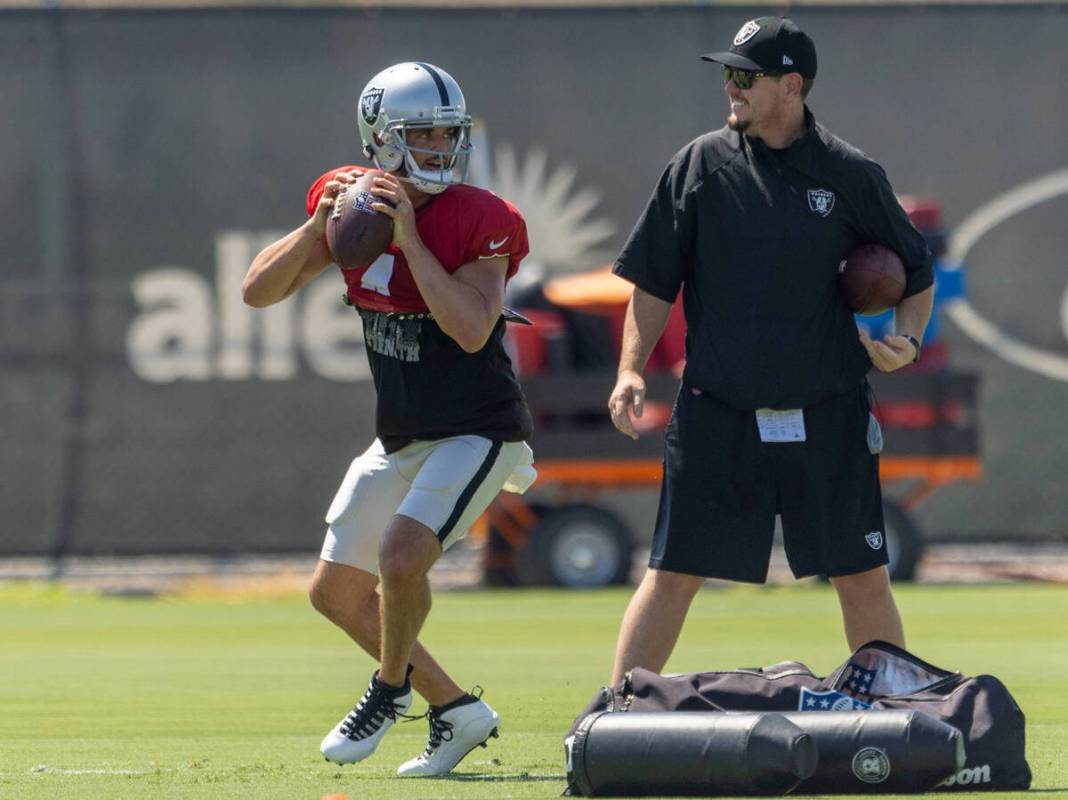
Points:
(753, 237)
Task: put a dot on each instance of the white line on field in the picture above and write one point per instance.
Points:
(44, 768)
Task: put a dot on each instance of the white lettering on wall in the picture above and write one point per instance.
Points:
(171, 338)
(185, 331)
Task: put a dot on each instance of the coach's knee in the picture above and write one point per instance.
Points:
(872, 579)
(672, 587)
(869, 586)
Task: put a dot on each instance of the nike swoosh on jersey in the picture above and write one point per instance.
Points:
(495, 245)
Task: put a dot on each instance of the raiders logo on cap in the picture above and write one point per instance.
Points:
(746, 32)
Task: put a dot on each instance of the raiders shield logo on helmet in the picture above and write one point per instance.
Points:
(370, 103)
(746, 32)
(821, 201)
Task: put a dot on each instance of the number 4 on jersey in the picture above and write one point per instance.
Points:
(378, 275)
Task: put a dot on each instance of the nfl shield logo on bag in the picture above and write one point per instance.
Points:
(829, 701)
(860, 680)
(821, 201)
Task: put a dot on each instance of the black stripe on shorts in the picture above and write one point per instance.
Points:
(469, 491)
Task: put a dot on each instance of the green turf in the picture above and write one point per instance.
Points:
(184, 698)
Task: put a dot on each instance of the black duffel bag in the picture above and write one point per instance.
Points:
(877, 676)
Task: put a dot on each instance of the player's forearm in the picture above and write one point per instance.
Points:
(912, 313)
(274, 272)
(465, 314)
(646, 317)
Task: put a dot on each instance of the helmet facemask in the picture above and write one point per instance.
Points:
(453, 163)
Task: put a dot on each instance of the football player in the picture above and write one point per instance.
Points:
(451, 423)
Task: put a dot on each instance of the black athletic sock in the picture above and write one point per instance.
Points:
(463, 700)
(395, 691)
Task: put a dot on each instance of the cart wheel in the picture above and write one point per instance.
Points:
(576, 546)
(904, 545)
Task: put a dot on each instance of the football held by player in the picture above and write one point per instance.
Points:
(451, 422)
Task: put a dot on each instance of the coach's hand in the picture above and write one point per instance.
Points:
(628, 394)
(894, 352)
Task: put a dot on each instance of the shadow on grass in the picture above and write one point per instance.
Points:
(523, 777)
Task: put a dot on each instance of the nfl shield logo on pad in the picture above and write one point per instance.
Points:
(370, 103)
(821, 201)
(874, 539)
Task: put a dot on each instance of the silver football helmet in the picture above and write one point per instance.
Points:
(414, 95)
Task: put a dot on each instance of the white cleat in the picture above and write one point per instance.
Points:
(357, 736)
(453, 734)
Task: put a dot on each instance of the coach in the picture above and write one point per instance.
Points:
(772, 417)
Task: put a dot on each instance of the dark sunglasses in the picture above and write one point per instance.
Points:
(744, 78)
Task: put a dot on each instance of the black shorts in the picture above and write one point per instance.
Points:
(722, 488)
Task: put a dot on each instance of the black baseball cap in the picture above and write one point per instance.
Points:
(770, 44)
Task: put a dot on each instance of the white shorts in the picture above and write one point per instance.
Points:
(444, 484)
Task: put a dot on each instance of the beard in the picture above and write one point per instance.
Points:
(738, 125)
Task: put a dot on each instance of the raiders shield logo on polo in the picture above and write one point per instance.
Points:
(370, 103)
(874, 539)
(746, 32)
(821, 201)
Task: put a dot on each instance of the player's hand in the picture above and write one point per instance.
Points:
(893, 352)
(326, 202)
(627, 396)
(399, 208)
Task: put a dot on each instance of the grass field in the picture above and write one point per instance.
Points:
(222, 697)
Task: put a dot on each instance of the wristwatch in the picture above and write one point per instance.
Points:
(916, 344)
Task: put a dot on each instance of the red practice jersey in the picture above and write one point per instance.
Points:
(460, 225)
